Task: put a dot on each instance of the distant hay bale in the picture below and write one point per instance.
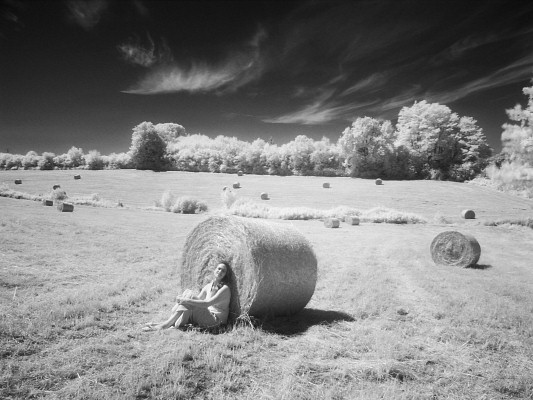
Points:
(325, 185)
(273, 266)
(332, 222)
(455, 249)
(18, 181)
(239, 173)
(47, 202)
(468, 214)
(56, 187)
(264, 196)
(236, 185)
(65, 207)
(77, 176)
(351, 220)
(379, 182)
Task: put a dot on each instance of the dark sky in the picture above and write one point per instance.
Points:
(78, 73)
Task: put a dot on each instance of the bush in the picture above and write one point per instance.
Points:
(188, 205)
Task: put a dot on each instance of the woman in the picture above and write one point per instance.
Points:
(209, 309)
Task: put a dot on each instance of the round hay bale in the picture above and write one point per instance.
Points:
(18, 181)
(379, 181)
(468, 214)
(239, 173)
(56, 187)
(273, 266)
(332, 222)
(77, 176)
(47, 202)
(236, 185)
(351, 220)
(325, 185)
(65, 207)
(455, 249)
(264, 196)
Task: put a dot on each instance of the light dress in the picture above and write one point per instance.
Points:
(216, 314)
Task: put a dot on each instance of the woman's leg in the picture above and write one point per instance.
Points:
(177, 312)
(183, 318)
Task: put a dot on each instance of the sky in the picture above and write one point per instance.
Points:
(85, 73)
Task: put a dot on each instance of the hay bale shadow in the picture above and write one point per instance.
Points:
(299, 323)
(479, 266)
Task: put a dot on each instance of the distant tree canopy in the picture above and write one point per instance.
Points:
(148, 149)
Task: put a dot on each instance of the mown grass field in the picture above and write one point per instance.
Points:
(384, 323)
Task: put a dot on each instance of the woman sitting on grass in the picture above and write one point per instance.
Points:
(209, 309)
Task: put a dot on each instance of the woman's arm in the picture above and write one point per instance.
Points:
(223, 291)
(199, 296)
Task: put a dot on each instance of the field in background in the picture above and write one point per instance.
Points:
(384, 322)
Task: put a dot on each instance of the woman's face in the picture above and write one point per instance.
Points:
(220, 272)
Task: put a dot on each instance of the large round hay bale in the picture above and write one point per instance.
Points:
(264, 196)
(351, 220)
(332, 222)
(468, 214)
(47, 202)
(236, 185)
(18, 181)
(273, 266)
(326, 185)
(239, 173)
(379, 182)
(77, 176)
(455, 249)
(65, 207)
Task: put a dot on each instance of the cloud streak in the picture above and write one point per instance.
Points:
(86, 14)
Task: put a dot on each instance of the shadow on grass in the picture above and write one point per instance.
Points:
(480, 266)
(300, 322)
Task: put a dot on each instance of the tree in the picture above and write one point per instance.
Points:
(170, 132)
(47, 161)
(75, 157)
(368, 146)
(517, 139)
(94, 160)
(148, 150)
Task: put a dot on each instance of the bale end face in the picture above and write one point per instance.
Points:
(331, 223)
(468, 214)
(379, 182)
(65, 207)
(455, 249)
(351, 220)
(48, 202)
(18, 181)
(239, 173)
(326, 185)
(77, 177)
(56, 187)
(236, 185)
(264, 196)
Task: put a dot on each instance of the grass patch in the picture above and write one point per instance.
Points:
(526, 222)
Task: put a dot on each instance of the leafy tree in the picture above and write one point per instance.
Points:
(170, 132)
(148, 150)
(47, 161)
(94, 160)
(30, 160)
(75, 157)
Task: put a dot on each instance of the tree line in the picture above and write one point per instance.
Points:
(428, 141)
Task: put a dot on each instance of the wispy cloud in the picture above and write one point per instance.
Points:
(240, 68)
(370, 83)
(135, 53)
(86, 13)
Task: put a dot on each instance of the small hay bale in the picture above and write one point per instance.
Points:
(468, 214)
(18, 181)
(47, 202)
(379, 181)
(77, 176)
(351, 220)
(236, 185)
(455, 249)
(273, 266)
(239, 173)
(264, 196)
(325, 185)
(65, 207)
(332, 222)
(56, 187)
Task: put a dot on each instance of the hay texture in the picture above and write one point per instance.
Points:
(77, 177)
(48, 202)
(351, 220)
(65, 207)
(264, 196)
(468, 214)
(332, 222)
(273, 266)
(326, 185)
(236, 185)
(18, 181)
(379, 182)
(455, 249)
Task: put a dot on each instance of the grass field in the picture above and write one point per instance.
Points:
(384, 323)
